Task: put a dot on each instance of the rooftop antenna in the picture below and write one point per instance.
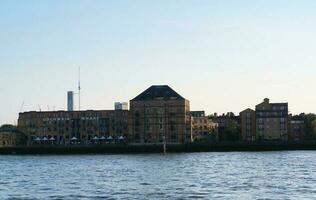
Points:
(79, 88)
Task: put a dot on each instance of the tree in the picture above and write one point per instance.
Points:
(309, 123)
(231, 132)
(313, 125)
(8, 127)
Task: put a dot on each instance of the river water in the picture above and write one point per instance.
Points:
(235, 175)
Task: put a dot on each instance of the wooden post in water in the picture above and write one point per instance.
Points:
(164, 145)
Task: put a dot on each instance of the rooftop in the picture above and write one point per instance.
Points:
(158, 92)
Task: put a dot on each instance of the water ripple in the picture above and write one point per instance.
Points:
(234, 175)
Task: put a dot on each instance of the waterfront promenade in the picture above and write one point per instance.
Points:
(158, 148)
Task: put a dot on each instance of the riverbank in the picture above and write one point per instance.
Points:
(137, 149)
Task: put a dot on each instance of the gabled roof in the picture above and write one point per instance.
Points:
(158, 92)
(247, 110)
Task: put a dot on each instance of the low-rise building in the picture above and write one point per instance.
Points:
(11, 138)
(7, 138)
(203, 128)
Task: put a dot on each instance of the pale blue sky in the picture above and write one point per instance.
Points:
(222, 55)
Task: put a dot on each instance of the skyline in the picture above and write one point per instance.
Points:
(222, 56)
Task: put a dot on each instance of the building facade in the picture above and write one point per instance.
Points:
(7, 138)
(272, 120)
(248, 124)
(159, 113)
(62, 127)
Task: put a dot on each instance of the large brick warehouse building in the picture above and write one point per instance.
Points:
(157, 113)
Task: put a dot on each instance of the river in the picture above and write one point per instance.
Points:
(224, 175)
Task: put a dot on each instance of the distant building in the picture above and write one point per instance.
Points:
(7, 138)
(70, 101)
(197, 113)
(160, 113)
(121, 106)
(203, 128)
(272, 120)
(62, 127)
(248, 124)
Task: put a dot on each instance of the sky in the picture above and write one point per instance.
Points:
(222, 55)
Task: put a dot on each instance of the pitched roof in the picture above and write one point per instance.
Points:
(247, 110)
(158, 92)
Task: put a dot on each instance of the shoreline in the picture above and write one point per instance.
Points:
(158, 148)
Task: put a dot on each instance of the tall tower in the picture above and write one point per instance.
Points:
(70, 101)
(79, 88)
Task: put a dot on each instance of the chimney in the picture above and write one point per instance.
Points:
(266, 100)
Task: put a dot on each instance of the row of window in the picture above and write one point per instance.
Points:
(270, 114)
(262, 127)
(282, 120)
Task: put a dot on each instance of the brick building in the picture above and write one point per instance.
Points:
(203, 128)
(63, 127)
(272, 120)
(157, 113)
(248, 124)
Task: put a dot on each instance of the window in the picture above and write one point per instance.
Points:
(160, 120)
(161, 127)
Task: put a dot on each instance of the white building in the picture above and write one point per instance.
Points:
(121, 106)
